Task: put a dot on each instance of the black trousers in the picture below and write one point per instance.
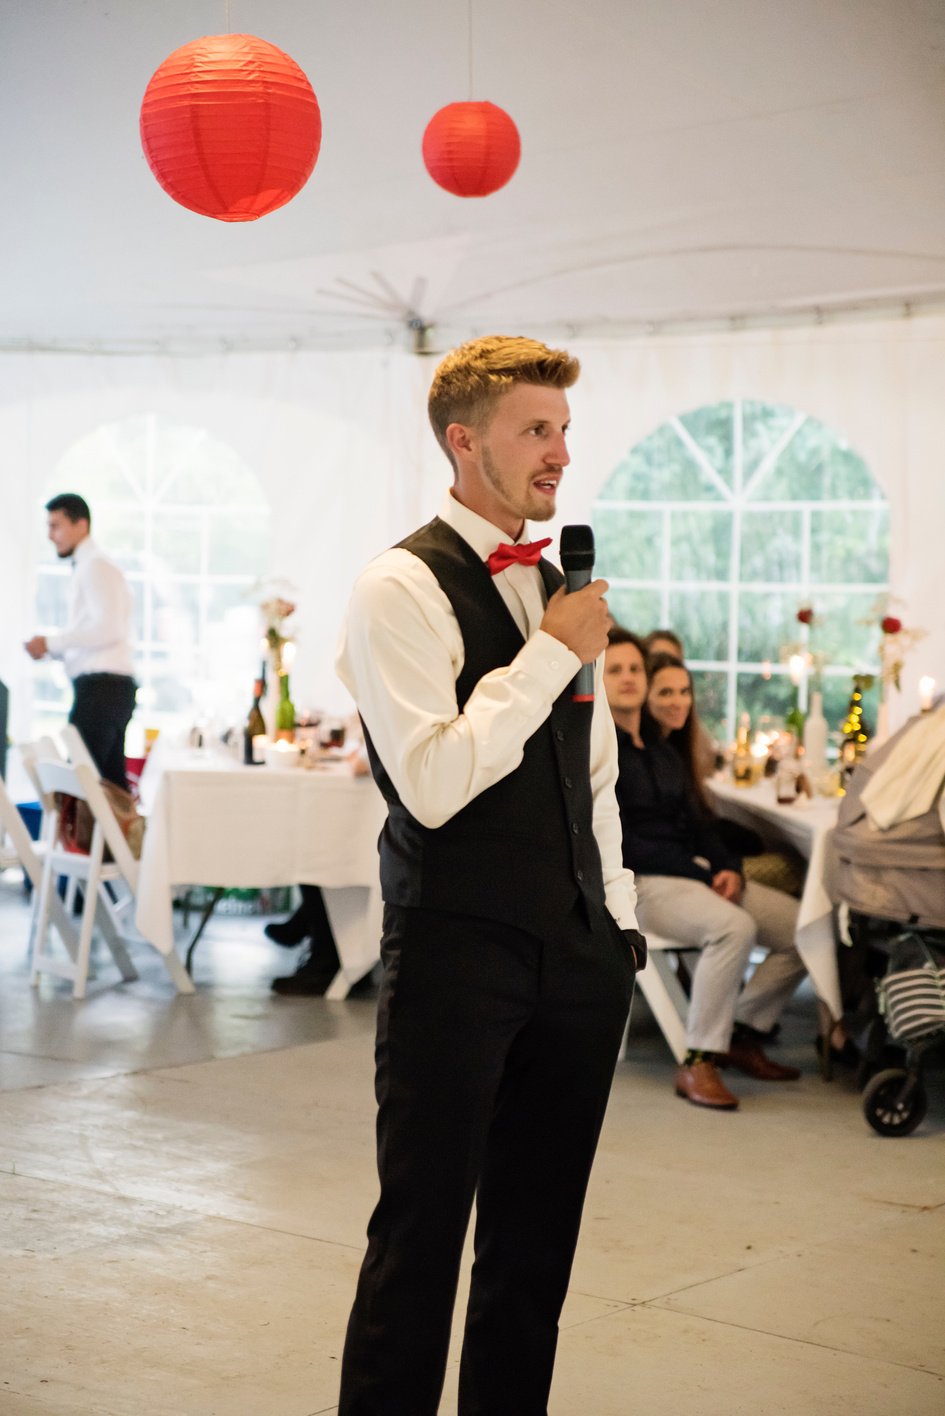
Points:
(101, 710)
(495, 1056)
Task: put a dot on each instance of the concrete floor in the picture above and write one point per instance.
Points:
(185, 1183)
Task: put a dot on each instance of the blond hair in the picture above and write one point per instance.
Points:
(471, 379)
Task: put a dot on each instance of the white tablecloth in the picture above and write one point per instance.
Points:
(214, 822)
(807, 824)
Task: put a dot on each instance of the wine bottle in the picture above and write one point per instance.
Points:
(794, 720)
(255, 726)
(285, 712)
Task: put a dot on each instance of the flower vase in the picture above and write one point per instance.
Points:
(270, 702)
(815, 735)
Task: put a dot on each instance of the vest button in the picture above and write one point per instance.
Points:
(575, 829)
(568, 783)
(580, 875)
(559, 735)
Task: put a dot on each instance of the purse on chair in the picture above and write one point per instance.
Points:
(76, 821)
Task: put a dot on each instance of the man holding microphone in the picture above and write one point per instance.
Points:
(510, 942)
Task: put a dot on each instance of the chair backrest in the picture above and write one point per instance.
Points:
(32, 752)
(76, 749)
(12, 824)
(78, 780)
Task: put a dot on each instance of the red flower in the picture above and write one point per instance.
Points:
(806, 615)
(891, 625)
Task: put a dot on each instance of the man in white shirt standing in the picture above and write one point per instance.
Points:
(95, 645)
(510, 942)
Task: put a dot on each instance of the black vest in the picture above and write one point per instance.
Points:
(524, 850)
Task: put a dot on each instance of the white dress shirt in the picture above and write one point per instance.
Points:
(400, 655)
(97, 637)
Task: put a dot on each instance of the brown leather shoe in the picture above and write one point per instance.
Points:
(747, 1056)
(701, 1084)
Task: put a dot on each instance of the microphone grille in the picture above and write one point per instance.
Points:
(577, 547)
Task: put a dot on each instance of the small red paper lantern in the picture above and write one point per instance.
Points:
(230, 126)
(471, 149)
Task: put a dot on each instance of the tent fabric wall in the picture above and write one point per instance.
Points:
(341, 447)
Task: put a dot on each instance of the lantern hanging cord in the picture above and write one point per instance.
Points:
(469, 17)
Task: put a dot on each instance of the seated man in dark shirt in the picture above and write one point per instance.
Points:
(689, 882)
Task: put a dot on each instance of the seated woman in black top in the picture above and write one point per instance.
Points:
(689, 882)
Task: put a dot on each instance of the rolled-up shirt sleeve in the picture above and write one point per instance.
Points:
(400, 655)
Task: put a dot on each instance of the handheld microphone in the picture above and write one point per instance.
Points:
(577, 562)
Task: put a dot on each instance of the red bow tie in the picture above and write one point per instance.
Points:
(528, 553)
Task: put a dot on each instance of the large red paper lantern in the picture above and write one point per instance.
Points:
(471, 149)
(230, 126)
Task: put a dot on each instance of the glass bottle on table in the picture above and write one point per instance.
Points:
(285, 712)
(786, 779)
(795, 719)
(254, 727)
(742, 761)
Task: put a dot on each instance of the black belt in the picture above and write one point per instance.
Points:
(117, 678)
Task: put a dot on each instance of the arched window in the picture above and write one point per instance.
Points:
(187, 521)
(721, 525)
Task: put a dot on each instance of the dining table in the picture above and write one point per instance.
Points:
(807, 824)
(213, 821)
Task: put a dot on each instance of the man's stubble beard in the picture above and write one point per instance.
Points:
(524, 508)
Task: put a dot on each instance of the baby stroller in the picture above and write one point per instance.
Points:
(890, 843)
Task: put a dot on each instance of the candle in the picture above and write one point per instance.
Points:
(926, 693)
(796, 668)
(288, 654)
(281, 754)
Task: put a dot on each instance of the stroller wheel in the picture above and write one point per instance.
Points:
(891, 1105)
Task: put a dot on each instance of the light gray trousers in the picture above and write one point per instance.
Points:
(725, 934)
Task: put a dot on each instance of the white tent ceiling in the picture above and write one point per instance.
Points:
(684, 161)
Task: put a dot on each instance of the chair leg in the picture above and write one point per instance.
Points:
(667, 1002)
(85, 945)
(40, 932)
(93, 884)
(105, 919)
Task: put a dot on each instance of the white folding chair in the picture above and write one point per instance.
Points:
(94, 872)
(76, 750)
(664, 994)
(8, 852)
(29, 856)
(30, 753)
(17, 845)
(113, 905)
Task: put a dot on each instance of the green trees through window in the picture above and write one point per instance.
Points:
(725, 521)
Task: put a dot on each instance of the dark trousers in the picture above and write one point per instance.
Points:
(101, 710)
(495, 1056)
